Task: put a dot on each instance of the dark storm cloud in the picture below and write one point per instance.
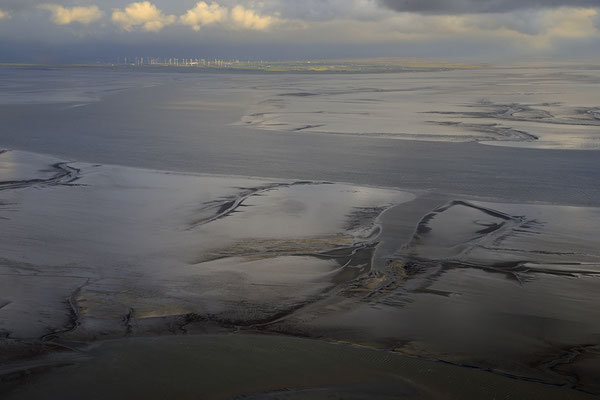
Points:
(17, 5)
(23, 5)
(480, 6)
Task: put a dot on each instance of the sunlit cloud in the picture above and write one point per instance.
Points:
(68, 15)
(248, 19)
(239, 17)
(144, 15)
(3, 14)
(204, 14)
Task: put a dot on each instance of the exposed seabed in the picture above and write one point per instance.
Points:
(161, 282)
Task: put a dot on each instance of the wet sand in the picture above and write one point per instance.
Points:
(97, 252)
(120, 241)
(262, 367)
(531, 108)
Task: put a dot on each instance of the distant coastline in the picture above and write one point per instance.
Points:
(352, 66)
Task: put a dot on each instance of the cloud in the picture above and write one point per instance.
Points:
(239, 17)
(248, 19)
(539, 29)
(325, 10)
(307, 28)
(65, 16)
(3, 14)
(479, 6)
(570, 23)
(536, 30)
(12, 6)
(526, 32)
(597, 21)
(204, 14)
(142, 14)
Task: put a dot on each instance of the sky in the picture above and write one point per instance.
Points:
(57, 31)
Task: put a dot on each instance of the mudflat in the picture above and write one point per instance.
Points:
(263, 367)
(190, 242)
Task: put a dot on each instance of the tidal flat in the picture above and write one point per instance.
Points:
(185, 246)
(115, 252)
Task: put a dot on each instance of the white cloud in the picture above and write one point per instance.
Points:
(65, 16)
(204, 14)
(239, 17)
(142, 14)
(249, 19)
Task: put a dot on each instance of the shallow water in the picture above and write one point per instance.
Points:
(191, 123)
